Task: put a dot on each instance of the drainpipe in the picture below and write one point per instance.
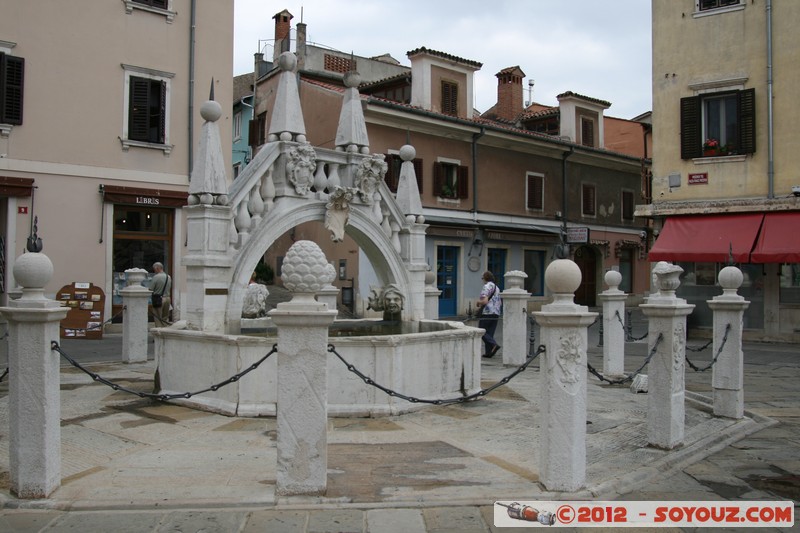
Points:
(771, 159)
(475, 137)
(193, 23)
(562, 251)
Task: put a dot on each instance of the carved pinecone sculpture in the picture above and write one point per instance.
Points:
(305, 268)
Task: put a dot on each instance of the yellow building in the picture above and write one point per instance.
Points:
(725, 183)
(99, 120)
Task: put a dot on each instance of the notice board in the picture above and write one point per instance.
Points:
(86, 303)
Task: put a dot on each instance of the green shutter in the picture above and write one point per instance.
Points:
(391, 177)
(691, 144)
(438, 178)
(418, 172)
(463, 182)
(138, 104)
(162, 119)
(747, 121)
(12, 76)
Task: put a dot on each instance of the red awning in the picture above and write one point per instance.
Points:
(779, 241)
(707, 238)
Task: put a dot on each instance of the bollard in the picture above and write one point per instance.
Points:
(665, 380)
(613, 331)
(302, 412)
(134, 316)
(563, 327)
(515, 314)
(34, 398)
(727, 374)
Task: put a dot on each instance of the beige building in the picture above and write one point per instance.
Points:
(497, 188)
(725, 159)
(99, 100)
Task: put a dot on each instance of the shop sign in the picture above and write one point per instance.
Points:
(579, 235)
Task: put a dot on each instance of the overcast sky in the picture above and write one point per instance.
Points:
(595, 48)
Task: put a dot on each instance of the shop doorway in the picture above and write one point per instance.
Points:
(447, 279)
(586, 259)
(142, 236)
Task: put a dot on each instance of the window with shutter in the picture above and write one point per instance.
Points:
(12, 77)
(588, 199)
(160, 4)
(587, 132)
(627, 205)
(535, 192)
(718, 124)
(450, 180)
(449, 98)
(147, 110)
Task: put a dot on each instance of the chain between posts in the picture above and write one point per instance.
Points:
(447, 401)
(628, 336)
(719, 351)
(628, 377)
(158, 396)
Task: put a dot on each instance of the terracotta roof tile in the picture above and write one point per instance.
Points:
(443, 55)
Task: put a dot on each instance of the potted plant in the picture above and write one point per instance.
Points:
(711, 147)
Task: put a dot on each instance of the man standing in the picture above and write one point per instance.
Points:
(489, 305)
(161, 285)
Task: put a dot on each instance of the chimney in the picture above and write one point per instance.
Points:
(282, 28)
(509, 93)
(300, 45)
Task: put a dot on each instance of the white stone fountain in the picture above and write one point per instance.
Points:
(287, 183)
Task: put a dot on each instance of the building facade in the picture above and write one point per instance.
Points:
(724, 156)
(497, 191)
(101, 116)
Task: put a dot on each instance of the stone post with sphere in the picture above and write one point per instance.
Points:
(302, 410)
(563, 326)
(613, 301)
(727, 374)
(666, 388)
(515, 318)
(34, 396)
(134, 316)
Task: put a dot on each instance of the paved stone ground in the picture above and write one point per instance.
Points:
(131, 465)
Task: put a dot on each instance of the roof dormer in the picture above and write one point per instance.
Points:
(582, 119)
(442, 83)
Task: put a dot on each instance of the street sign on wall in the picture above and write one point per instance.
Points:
(577, 235)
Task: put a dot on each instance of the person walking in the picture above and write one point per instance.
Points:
(489, 304)
(161, 286)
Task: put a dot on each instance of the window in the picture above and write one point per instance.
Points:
(587, 132)
(161, 4)
(789, 283)
(237, 126)
(727, 117)
(535, 192)
(627, 205)
(705, 5)
(162, 7)
(534, 268)
(392, 177)
(12, 75)
(146, 110)
(146, 122)
(449, 98)
(450, 180)
(588, 200)
(258, 131)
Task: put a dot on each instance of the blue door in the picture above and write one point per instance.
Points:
(447, 279)
(497, 266)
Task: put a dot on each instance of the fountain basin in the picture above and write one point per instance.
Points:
(438, 364)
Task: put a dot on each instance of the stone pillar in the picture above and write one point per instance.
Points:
(665, 377)
(613, 326)
(329, 295)
(515, 318)
(432, 294)
(302, 411)
(563, 326)
(727, 377)
(34, 400)
(134, 316)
